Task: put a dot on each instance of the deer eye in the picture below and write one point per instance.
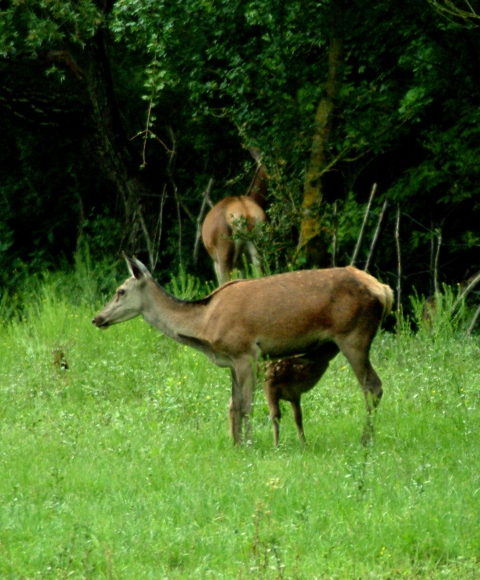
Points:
(120, 292)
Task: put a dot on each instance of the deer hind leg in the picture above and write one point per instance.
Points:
(358, 357)
(298, 417)
(241, 403)
(237, 255)
(223, 270)
(245, 255)
(219, 273)
(254, 259)
(223, 262)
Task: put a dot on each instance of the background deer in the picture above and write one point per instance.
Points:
(226, 219)
(276, 316)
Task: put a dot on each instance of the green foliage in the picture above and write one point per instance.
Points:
(100, 236)
(34, 25)
(261, 68)
(197, 83)
(86, 282)
(444, 317)
(187, 287)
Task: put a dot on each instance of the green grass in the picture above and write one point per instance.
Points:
(121, 466)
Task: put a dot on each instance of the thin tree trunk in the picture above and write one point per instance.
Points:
(310, 245)
(119, 159)
(432, 260)
(437, 257)
(399, 262)
(334, 236)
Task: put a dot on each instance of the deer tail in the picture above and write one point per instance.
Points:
(386, 300)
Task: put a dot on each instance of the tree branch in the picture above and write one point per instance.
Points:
(362, 229)
(206, 201)
(453, 13)
(376, 234)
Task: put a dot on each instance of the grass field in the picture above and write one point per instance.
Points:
(116, 461)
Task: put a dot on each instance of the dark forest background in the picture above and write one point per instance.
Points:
(117, 116)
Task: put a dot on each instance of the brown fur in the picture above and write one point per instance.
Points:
(274, 317)
(219, 226)
(288, 379)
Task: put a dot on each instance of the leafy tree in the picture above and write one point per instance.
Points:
(337, 96)
(70, 39)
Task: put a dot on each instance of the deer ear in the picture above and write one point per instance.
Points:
(137, 269)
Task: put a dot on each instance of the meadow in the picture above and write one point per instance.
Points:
(116, 460)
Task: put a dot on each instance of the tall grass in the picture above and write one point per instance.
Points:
(116, 460)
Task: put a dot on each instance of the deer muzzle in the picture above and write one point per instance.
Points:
(100, 322)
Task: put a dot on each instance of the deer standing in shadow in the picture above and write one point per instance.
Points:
(226, 220)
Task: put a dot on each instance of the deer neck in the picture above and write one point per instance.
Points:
(172, 316)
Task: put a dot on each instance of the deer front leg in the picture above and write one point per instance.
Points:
(274, 408)
(372, 392)
(241, 403)
(234, 410)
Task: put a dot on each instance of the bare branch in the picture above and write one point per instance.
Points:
(362, 229)
(148, 239)
(206, 195)
(376, 234)
(206, 201)
(474, 321)
(468, 288)
(438, 233)
(459, 17)
(157, 236)
(64, 57)
(147, 132)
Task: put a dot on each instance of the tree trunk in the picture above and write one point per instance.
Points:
(117, 156)
(115, 153)
(313, 243)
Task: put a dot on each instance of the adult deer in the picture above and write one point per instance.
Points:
(276, 316)
(226, 219)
